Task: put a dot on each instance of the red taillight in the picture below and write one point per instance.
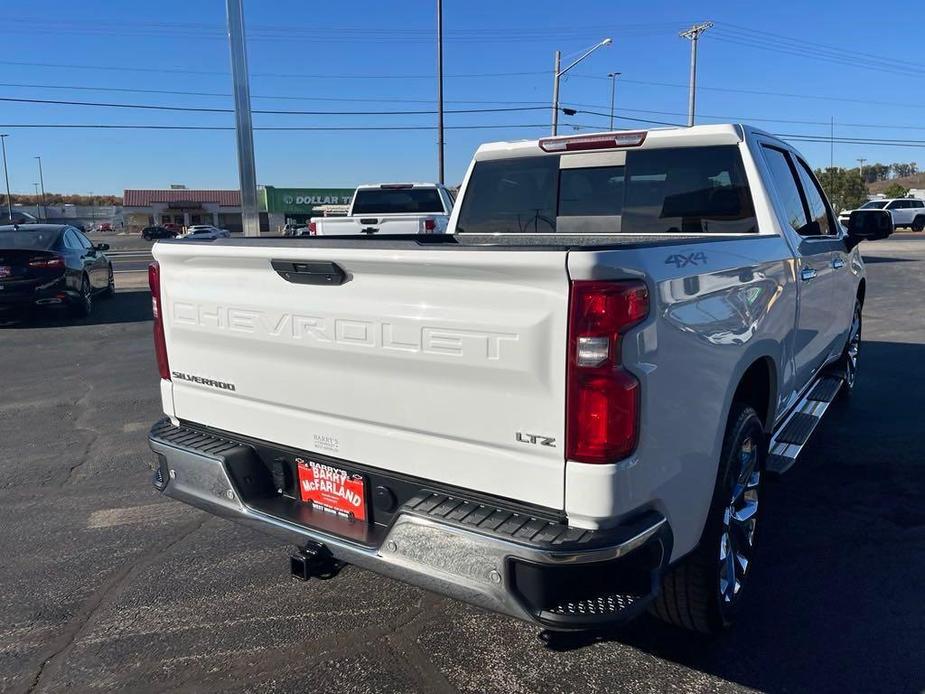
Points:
(313, 228)
(160, 345)
(430, 225)
(44, 263)
(602, 413)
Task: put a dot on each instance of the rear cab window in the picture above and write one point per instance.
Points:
(670, 190)
(397, 201)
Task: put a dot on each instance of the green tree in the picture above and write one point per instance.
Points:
(845, 188)
(895, 190)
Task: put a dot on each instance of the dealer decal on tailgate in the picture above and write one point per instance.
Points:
(332, 488)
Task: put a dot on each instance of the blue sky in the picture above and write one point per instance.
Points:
(854, 64)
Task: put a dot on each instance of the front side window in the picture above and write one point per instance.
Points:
(873, 205)
(818, 209)
(673, 190)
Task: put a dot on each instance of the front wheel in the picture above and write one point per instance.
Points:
(703, 592)
(848, 363)
(918, 223)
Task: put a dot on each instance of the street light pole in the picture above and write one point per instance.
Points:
(36, 186)
(6, 175)
(613, 88)
(440, 142)
(244, 129)
(693, 35)
(42, 183)
(557, 74)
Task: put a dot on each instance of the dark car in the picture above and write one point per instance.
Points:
(45, 264)
(151, 233)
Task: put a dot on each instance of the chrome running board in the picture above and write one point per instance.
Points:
(788, 440)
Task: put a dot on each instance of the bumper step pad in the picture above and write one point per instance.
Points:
(522, 528)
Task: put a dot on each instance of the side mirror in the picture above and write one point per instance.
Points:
(869, 225)
(101, 247)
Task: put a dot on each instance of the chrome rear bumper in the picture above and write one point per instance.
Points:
(501, 574)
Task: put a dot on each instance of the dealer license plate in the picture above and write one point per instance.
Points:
(332, 488)
(5, 271)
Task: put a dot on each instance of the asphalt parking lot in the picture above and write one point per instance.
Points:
(107, 585)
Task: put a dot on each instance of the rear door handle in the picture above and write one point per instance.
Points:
(838, 263)
(310, 271)
(807, 273)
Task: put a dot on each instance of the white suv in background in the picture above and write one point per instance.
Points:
(907, 212)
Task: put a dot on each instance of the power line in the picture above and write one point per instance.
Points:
(195, 109)
(294, 128)
(817, 48)
(279, 112)
(281, 97)
(187, 71)
(799, 137)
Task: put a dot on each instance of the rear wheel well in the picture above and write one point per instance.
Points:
(756, 387)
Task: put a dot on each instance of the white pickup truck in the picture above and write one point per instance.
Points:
(906, 212)
(390, 208)
(565, 410)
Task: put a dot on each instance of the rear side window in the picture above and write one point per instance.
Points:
(788, 192)
(675, 190)
(397, 201)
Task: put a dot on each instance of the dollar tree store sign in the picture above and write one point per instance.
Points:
(302, 200)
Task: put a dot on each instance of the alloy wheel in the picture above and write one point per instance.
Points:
(740, 520)
(853, 350)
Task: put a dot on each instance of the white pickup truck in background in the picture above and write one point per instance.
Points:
(390, 208)
(564, 410)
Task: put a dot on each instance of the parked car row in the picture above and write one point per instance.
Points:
(171, 231)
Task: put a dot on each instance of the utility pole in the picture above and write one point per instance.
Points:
(244, 128)
(613, 88)
(559, 71)
(860, 161)
(693, 35)
(555, 93)
(42, 183)
(440, 142)
(832, 143)
(6, 175)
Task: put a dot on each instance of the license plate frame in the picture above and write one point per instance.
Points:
(332, 489)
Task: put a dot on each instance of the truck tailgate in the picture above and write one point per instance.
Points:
(426, 362)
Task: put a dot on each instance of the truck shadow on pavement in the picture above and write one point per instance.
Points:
(835, 601)
(123, 307)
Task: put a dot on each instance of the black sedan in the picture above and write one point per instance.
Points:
(46, 264)
(151, 233)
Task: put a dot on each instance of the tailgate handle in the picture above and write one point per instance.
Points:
(310, 271)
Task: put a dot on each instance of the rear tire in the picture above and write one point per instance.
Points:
(703, 592)
(918, 224)
(83, 307)
(110, 290)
